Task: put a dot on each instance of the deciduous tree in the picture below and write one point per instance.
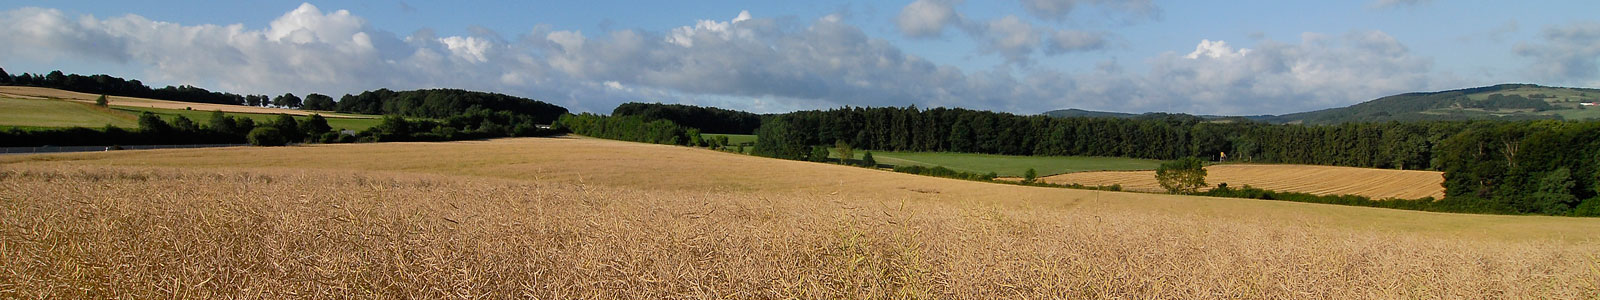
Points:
(1183, 176)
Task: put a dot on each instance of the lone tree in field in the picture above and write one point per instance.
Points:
(868, 161)
(101, 102)
(1182, 176)
(1030, 176)
(845, 153)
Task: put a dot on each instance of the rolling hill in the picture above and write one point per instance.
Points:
(1498, 102)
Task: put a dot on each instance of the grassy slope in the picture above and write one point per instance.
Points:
(1010, 165)
(30, 113)
(590, 218)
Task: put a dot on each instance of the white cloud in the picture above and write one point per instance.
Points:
(472, 49)
(685, 36)
(1568, 53)
(1278, 77)
(927, 18)
(1215, 50)
(1012, 37)
(745, 63)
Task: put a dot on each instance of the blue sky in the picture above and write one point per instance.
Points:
(1021, 56)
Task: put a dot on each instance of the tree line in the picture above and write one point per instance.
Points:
(707, 119)
(629, 128)
(434, 103)
(444, 103)
(282, 129)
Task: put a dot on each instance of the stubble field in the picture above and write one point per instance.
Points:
(585, 218)
(1318, 180)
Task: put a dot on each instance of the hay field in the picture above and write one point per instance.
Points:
(1319, 180)
(558, 218)
(28, 92)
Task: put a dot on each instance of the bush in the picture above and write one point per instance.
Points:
(818, 154)
(266, 136)
(1182, 176)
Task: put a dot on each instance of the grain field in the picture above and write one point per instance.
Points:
(563, 218)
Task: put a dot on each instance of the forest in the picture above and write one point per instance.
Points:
(629, 128)
(707, 119)
(443, 103)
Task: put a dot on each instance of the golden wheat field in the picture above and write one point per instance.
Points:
(1319, 180)
(27, 92)
(564, 218)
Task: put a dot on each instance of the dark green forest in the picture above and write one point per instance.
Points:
(629, 128)
(443, 103)
(707, 119)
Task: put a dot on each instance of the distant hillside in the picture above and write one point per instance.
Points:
(1499, 102)
(1079, 113)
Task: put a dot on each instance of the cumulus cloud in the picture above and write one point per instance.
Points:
(1568, 53)
(747, 62)
(927, 18)
(1011, 37)
(1275, 77)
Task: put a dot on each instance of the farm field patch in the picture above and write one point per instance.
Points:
(1009, 165)
(1319, 180)
(35, 113)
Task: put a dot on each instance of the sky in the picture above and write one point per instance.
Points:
(1018, 56)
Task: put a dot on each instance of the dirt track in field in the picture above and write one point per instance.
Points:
(1320, 180)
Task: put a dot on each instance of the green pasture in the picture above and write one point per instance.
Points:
(34, 114)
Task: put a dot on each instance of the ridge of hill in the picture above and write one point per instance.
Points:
(1496, 102)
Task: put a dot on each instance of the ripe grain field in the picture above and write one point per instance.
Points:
(586, 218)
(1319, 180)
